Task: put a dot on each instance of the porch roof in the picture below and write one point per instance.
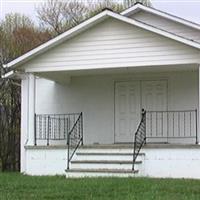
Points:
(64, 77)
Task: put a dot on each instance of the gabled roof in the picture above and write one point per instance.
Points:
(89, 23)
(140, 7)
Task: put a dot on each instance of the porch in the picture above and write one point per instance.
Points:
(110, 102)
(170, 129)
(99, 113)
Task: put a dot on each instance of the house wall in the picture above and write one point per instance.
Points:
(94, 96)
(112, 44)
(168, 25)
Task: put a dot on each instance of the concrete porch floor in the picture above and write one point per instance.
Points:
(118, 146)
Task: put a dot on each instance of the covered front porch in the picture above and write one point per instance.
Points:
(105, 105)
(91, 121)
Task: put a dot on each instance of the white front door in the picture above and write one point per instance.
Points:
(127, 110)
(130, 98)
(154, 98)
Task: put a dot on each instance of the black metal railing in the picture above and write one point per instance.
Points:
(75, 138)
(171, 126)
(139, 138)
(53, 127)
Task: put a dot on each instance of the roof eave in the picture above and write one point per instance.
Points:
(140, 7)
(9, 74)
(132, 10)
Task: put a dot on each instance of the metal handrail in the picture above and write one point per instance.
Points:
(139, 138)
(75, 138)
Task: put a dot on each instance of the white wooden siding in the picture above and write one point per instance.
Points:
(168, 25)
(114, 44)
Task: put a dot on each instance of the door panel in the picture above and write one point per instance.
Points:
(154, 95)
(127, 110)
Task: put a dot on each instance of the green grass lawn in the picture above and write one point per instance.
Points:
(15, 186)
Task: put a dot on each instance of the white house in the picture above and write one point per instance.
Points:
(83, 93)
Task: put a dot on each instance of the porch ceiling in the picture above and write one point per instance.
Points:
(65, 76)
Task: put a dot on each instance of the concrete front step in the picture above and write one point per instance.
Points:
(73, 173)
(108, 146)
(104, 162)
(105, 166)
(107, 155)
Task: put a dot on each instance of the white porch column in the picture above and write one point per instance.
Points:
(31, 109)
(198, 109)
(24, 122)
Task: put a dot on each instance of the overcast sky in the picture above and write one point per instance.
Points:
(188, 9)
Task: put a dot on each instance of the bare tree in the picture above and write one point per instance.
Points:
(97, 6)
(129, 3)
(74, 12)
(19, 35)
(59, 15)
(9, 126)
(50, 14)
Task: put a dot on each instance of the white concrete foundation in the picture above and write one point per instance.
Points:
(172, 163)
(43, 161)
(156, 162)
